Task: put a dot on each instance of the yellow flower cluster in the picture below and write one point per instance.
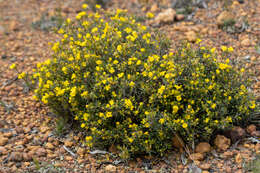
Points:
(119, 81)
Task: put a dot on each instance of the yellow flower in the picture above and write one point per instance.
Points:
(55, 47)
(147, 125)
(114, 94)
(223, 66)
(98, 68)
(107, 87)
(230, 49)
(98, 6)
(175, 109)
(224, 48)
(120, 75)
(13, 66)
(84, 94)
(112, 70)
(149, 15)
(132, 84)
(35, 97)
(129, 104)
(252, 106)
(162, 120)
(89, 138)
(213, 106)
(95, 29)
(68, 20)
(115, 62)
(213, 50)
(21, 75)
(242, 87)
(227, 61)
(83, 13)
(150, 74)
(187, 117)
(85, 116)
(184, 125)
(59, 91)
(111, 102)
(160, 90)
(130, 140)
(198, 41)
(84, 6)
(119, 48)
(119, 34)
(98, 62)
(178, 98)
(45, 98)
(109, 114)
(128, 30)
(73, 91)
(229, 119)
(150, 59)
(130, 62)
(79, 35)
(101, 114)
(61, 31)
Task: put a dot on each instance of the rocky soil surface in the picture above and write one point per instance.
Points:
(28, 135)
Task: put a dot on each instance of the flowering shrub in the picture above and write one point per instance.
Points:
(118, 80)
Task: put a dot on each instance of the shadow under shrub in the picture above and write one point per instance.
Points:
(118, 80)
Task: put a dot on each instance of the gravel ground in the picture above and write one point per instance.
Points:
(28, 138)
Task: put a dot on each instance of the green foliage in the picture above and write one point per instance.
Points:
(44, 166)
(229, 26)
(118, 80)
(60, 125)
(254, 165)
(7, 107)
(37, 164)
(47, 23)
(185, 7)
(92, 3)
(257, 48)
(229, 22)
